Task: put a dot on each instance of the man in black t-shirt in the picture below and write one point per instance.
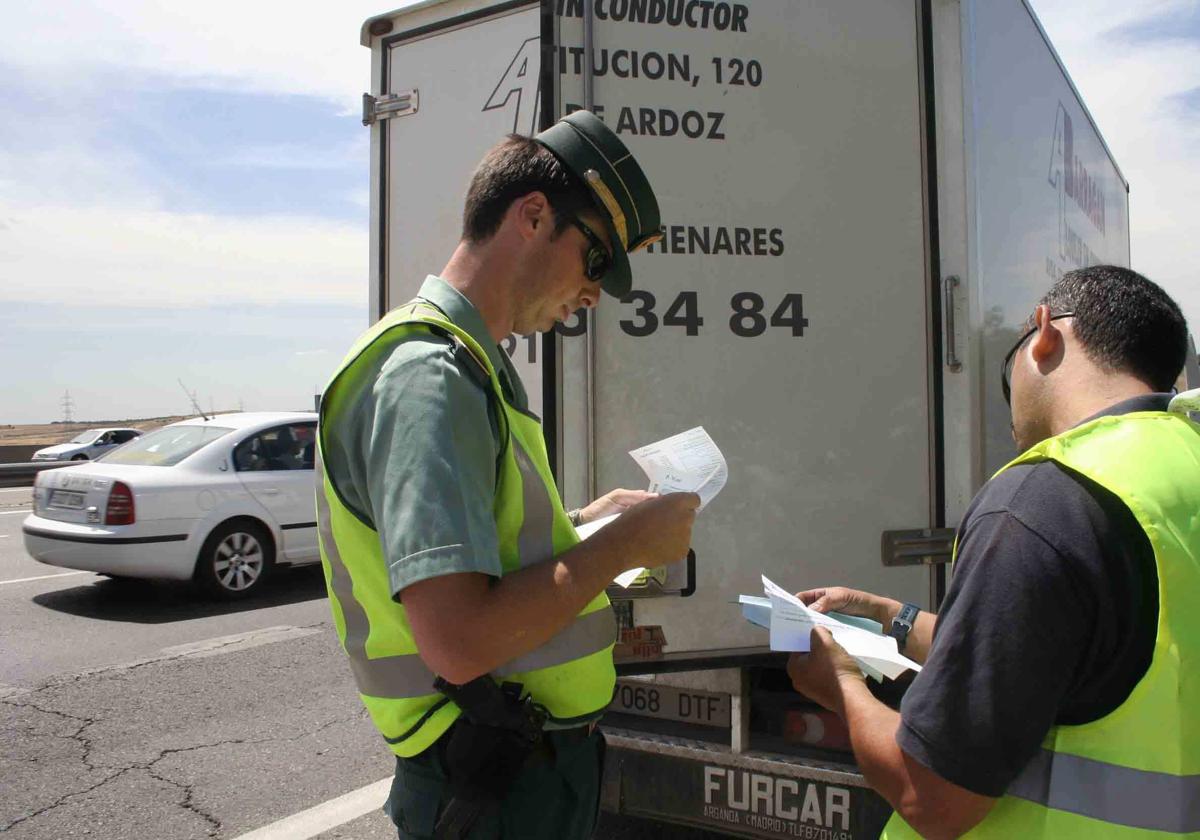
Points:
(1052, 611)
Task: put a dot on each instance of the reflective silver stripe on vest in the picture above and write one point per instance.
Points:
(1111, 793)
(390, 676)
(406, 675)
(586, 635)
(535, 542)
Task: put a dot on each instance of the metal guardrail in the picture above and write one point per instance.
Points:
(21, 475)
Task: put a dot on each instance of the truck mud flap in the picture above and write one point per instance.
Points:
(748, 795)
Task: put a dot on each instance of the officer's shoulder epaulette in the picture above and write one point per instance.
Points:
(463, 355)
(469, 362)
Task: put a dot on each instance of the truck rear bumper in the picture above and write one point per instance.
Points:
(749, 794)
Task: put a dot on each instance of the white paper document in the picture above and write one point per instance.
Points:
(791, 622)
(688, 462)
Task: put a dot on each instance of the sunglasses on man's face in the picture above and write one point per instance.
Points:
(1006, 370)
(598, 260)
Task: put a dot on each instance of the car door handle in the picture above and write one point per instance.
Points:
(270, 491)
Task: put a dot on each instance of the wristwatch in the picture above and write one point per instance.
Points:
(902, 624)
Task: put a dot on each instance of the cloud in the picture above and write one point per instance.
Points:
(360, 198)
(294, 156)
(131, 140)
(70, 254)
(171, 180)
(67, 170)
(1178, 21)
(267, 45)
(1083, 21)
(149, 198)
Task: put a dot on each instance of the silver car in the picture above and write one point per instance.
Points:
(87, 446)
(222, 501)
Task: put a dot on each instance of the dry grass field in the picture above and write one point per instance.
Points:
(48, 434)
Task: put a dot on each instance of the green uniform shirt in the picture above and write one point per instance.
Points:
(414, 451)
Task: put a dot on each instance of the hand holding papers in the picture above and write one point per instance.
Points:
(624, 579)
(791, 624)
(687, 462)
(585, 531)
(595, 525)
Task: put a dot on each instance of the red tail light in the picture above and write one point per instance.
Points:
(120, 505)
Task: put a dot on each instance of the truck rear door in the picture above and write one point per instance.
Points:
(457, 78)
(788, 308)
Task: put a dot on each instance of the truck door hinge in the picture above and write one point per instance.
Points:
(919, 547)
(389, 105)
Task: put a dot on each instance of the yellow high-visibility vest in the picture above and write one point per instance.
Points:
(1135, 773)
(571, 676)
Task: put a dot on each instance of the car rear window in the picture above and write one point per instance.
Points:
(165, 447)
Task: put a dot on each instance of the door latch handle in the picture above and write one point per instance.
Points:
(953, 362)
(918, 547)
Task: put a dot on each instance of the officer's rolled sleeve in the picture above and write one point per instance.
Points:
(430, 466)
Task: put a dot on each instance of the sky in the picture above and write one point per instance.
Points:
(184, 190)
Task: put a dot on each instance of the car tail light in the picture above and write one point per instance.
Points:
(120, 505)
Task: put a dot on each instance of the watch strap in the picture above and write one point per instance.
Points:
(903, 623)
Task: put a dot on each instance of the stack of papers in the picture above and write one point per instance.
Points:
(791, 624)
(688, 462)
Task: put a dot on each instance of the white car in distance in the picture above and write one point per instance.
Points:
(87, 446)
(219, 501)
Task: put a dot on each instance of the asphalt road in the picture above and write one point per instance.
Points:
(139, 710)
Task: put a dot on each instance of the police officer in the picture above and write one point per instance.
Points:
(1059, 692)
(446, 547)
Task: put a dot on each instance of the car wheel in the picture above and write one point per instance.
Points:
(79, 457)
(235, 560)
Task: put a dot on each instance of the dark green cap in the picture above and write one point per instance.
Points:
(590, 149)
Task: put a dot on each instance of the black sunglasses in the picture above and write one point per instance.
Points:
(597, 261)
(1005, 382)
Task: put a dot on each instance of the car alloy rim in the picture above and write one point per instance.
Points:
(238, 562)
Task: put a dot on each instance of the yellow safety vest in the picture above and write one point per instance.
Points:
(1135, 773)
(571, 675)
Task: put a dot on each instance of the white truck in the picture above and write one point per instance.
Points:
(862, 202)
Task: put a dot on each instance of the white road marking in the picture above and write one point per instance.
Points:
(238, 641)
(42, 577)
(14, 512)
(327, 815)
(211, 647)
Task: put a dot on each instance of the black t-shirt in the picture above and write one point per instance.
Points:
(1050, 619)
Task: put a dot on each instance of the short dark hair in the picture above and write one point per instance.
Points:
(1124, 322)
(514, 167)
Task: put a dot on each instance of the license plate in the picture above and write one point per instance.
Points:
(705, 708)
(66, 499)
